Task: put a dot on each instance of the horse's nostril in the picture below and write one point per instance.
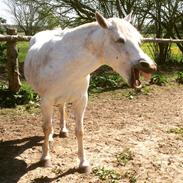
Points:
(144, 64)
(154, 67)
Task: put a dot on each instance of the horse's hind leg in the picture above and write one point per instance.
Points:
(63, 127)
(47, 112)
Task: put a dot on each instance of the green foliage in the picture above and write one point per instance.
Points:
(158, 79)
(174, 55)
(131, 176)
(2, 54)
(105, 81)
(179, 78)
(57, 170)
(12, 99)
(132, 179)
(106, 174)
(178, 131)
(42, 179)
(132, 93)
(2, 45)
(22, 50)
(124, 157)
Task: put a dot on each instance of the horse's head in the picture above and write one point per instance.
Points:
(122, 49)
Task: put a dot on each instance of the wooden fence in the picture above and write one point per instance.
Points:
(12, 54)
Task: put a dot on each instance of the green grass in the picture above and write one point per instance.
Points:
(158, 79)
(176, 54)
(147, 49)
(124, 157)
(107, 174)
(178, 131)
(22, 50)
(179, 78)
(112, 175)
(11, 99)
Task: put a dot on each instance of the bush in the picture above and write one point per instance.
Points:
(11, 99)
(105, 81)
(2, 54)
(2, 48)
(158, 79)
(180, 77)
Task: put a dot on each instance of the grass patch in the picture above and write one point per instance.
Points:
(22, 50)
(9, 99)
(179, 78)
(176, 55)
(124, 157)
(145, 90)
(147, 48)
(158, 79)
(104, 81)
(178, 131)
(131, 175)
(57, 171)
(107, 174)
(42, 179)
(20, 110)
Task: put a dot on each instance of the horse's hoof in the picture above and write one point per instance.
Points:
(64, 134)
(84, 169)
(46, 163)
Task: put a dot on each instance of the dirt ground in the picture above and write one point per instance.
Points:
(113, 122)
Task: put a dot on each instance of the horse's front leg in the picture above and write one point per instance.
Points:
(79, 109)
(47, 112)
(63, 127)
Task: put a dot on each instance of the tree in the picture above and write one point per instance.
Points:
(30, 17)
(2, 45)
(2, 20)
(162, 18)
(167, 18)
(76, 12)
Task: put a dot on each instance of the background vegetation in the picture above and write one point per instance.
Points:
(153, 18)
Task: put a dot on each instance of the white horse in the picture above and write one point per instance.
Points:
(59, 62)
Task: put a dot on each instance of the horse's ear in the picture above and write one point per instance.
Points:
(101, 20)
(128, 17)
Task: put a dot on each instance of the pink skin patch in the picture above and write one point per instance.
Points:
(146, 76)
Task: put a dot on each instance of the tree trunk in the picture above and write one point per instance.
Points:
(12, 63)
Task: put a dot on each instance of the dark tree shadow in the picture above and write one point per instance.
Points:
(46, 179)
(12, 168)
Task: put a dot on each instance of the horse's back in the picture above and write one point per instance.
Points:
(49, 66)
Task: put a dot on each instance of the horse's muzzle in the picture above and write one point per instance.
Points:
(145, 66)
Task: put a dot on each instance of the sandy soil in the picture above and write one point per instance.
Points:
(113, 123)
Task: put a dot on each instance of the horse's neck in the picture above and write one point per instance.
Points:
(86, 39)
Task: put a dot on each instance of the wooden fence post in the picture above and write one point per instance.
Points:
(12, 63)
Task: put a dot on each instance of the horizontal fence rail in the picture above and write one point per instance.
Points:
(27, 38)
(12, 54)
(14, 38)
(161, 40)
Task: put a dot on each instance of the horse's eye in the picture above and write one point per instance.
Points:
(121, 40)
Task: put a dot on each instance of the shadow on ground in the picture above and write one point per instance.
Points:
(12, 168)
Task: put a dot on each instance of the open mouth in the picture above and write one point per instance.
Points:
(135, 77)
